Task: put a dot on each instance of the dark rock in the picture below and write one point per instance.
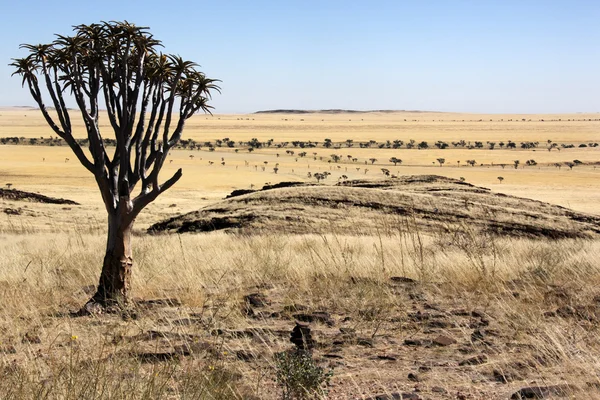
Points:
(367, 342)
(440, 323)
(396, 396)
(439, 389)
(460, 313)
(480, 359)
(333, 355)
(414, 377)
(403, 279)
(467, 349)
(31, 338)
(245, 355)
(14, 194)
(386, 357)
(256, 300)
(542, 392)
(477, 336)
(443, 340)
(322, 317)
(348, 331)
(417, 296)
(239, 192)
(302, 337)
(413, 342)
(504, 376)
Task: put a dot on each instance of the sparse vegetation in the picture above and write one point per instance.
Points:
(365, 266)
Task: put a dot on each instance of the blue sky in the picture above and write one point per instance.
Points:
(474, 56)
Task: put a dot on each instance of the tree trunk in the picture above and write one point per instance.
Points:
(115, 279)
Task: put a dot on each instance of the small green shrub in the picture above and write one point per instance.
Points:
(299, 376)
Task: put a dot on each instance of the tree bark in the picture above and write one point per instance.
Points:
(115, 280)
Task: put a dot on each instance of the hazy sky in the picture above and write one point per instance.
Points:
(479, 55)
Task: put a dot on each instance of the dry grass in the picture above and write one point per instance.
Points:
(513, 282)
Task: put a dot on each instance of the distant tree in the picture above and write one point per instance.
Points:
(570, 165)
(471, 162)
(9, 185)
(502, 165)
(530, 163)
(385, 171)
(372, 160)
(500, 179)
(441, 161)
(516, 163)
(327, 143)
(422, 145)
(558, 165)
(148, 96)
(395, 161)
(275, 169)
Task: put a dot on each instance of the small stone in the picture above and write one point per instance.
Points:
(414, 377)
(245, 355)
(256, 300)
(480, 359)
(31, 338)
(322, 317)
(402, 279)
(396, 396)
(438, 389)
(386, 357)
(367, 342)
(542, 392)
(443, 340)
(413, 342)
(302, 337)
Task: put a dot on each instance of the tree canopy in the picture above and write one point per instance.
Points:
(117, 65)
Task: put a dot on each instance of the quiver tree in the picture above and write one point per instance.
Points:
(148, 96)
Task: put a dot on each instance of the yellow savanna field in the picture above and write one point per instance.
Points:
(453, 313)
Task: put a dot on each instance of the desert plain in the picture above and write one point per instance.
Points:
(453, 311)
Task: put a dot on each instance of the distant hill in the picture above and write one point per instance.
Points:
(335, 111)
(430, 203)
